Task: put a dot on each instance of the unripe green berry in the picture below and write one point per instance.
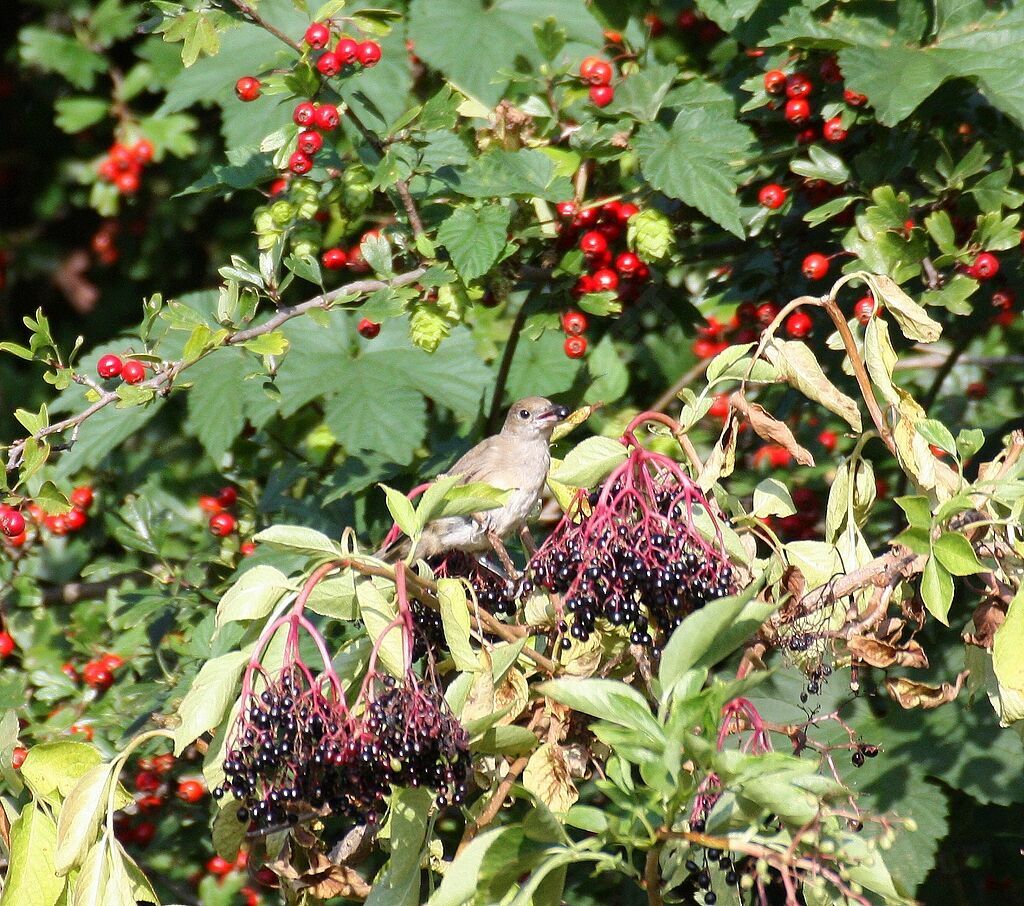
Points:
(649, 234)
(283, 212)
(428, 327)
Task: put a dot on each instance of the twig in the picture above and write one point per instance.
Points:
(163, 381)
(945, 369)
(652, 876)
(671, 395)
(494, 804)
(505, 366)
(250, 13)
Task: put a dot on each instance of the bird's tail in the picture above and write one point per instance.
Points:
(395, 551)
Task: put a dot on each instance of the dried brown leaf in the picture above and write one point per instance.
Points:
(883, 654)
(988, 617)
(769, 428)
(911, 694)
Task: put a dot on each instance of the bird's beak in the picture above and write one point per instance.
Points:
(554, 415)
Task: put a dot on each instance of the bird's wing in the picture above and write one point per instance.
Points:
(490, 462)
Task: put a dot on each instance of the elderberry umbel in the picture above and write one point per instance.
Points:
(631, 553)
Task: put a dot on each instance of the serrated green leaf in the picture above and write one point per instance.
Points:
(589, 462)
(207, 700)
(475, 238)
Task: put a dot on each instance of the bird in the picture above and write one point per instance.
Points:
(515, 459)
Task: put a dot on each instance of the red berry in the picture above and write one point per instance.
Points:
(96, 676)
(586, 217)
(142, 151)
(318, 35)
(7, 644)
(830, 70)
(628, 264)
(774, 81)
(190, 791)
(247, 88)
(566, 209)
(1003, 299)
(798, 324)
(368, 329)
(70, 672)
(147, 782)
(127, 183)
(574, 323)
(327, 117)
(864, 308)
(12, 523)
(806, 136)
(82, 497)
(252, 898)
(720, 407)
(304, 114)
(82, 729)
(706, 348)
(587, 66)
(854, 98)
(222, 524)
(815, 266)
(347, 51)
(162, 764)
(368, 53)
(133, 372)
(977, 390)
(828, 439)
(210, 504)
(334, 259)
(627, 210)
(144, 833)
(309, 142)
(766, 313)
(772, 196)
(593, 243)
(300, 163)
(833, 130)
(602, 95)
(277, 186)
(247, 548)
(605, 280)
(598, 72)
(75, 519)
(219, 866)
(18, 757)
(985, 266)
(798, 85)
(797, 111)
(328, 65)
(111, 661)
(150, 803)
(575, 347)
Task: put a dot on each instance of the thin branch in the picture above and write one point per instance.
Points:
(250, 13)
(495, 803)
(945, 369)
(505, 366)
(652, 876)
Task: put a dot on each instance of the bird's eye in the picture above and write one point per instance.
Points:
(524, 413)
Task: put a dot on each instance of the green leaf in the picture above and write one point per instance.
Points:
(51, 51)
(772, 498)
(955, 553)
(1008, 650)
(822, 165)
(609, 372)
(918, 511)
(80, 817)
(398, 883)
(590, 462)
(937, 590)
(32, 879)
(609, 700)
(335, 597)
(77, 113)
(475, 238)
(299, 538)
(402, 511)
(462, 877)
(799, 366)
(52, 769)
(525, 173)
(378, 614)
(254, 595)
(940, 228)
(91, 883)
(475, 497)
(455, 619)
(550, 38)
(644, 92)
(695, 161)
(936, 433)
(913, 320)
(208, 699)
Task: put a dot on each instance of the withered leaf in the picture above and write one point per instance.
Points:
(769, 428)
(883, 654)
(549, 778)
(988, 617)
(910, 694)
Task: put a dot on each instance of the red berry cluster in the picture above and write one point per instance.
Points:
(221, 868)
(132, 371)
(597, 73)
(7, 645)
(104, 242)
(337, 258)
(574, 324)
(122, 166)
(315, 120)
(798, 88)
(15, 528)
(222, 523)
(98, 673)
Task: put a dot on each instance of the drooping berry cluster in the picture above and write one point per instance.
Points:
(222, 523)
(122, 166)
(631, 554)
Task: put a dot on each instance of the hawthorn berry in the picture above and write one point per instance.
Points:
(57, 524)
(142, 151)
(833, 130)
(111, 661)
(150, 803)
(7, 644)
(798, 85)
(222, 524)
(798, 325)
(127, 183)
(96, 676)
(596, 71)
(162, 764)
(210, 504)
(766, 313)
(628, 264)
(328, 65)
(146, 782)
(797, 111)
(18, 757)
(347, 50)
(830, 71)
(219, 866)
(985, 266)
(190, 791)
(133, 372)
(575, 347)
(828, 439)
(327, 117)
(82, 497)
(247, 88)
(318, 35)
(300, 163)
(144, 833)
(815, 266)
(12, 523)
(70, 672)
(1003, 299)
(304, 114)
(368, 53)
(75, 519)
(772, 196)
(247, 548)
(566, 209)
(977, 390)
(334, 259)
(774, 81)
(368, 329)
(277, 186)
(854, 98)
(593, 243)
(309, 142)
(574, 323)
(626, 210)
(864, 308)
(605, 280)
(720, 406)
(602, 95)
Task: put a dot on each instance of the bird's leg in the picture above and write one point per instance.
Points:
(499, 549)
(529, 545)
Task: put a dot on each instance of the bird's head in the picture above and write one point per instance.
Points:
(533, 417)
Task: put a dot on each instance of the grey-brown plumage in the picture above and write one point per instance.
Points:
(515, 459)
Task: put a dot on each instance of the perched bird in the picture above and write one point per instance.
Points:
(515, 459)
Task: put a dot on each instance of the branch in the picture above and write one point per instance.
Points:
(162, 382)
(495, 803)
(514, 332)
(250, 13)
(652, 876)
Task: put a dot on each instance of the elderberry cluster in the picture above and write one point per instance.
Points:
(420, 743)
(640, 568)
